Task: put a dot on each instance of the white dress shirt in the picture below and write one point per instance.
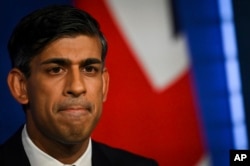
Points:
(39, 158)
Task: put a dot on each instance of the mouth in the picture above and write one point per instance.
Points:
(74, 108)
(75, 111)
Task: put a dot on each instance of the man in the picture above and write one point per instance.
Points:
(59, 76)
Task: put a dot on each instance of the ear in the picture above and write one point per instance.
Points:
(105, 78)
(17, 85)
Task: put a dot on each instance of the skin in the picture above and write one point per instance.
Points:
(65, 92)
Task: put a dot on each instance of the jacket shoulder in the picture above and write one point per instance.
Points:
(120, 157)
(12, 151)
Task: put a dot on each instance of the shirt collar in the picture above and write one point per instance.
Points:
(37, 156)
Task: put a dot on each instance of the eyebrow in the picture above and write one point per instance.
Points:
(90, 61)
(67, 62)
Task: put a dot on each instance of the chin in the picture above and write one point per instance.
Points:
(74, 140)
(78, 137)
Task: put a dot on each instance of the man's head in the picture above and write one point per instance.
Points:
(35, 31)
(58, 56)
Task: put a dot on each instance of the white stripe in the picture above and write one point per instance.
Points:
(146, 25)
(233, 75)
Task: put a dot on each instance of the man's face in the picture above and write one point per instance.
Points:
(66, 89)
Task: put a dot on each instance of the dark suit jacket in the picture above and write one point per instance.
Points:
(12, 153)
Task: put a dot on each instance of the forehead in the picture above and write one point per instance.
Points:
(73, 48)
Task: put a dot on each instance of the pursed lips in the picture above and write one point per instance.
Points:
(75, 111)
(74, 108)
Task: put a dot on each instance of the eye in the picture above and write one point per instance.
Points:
(90, 69)
(55, 70)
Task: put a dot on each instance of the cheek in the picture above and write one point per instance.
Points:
(42, 108)
(42, 96)
(95, 96)
(95, 91)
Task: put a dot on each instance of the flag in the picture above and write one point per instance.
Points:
(151, 108)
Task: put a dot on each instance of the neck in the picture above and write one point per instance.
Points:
(64, 152)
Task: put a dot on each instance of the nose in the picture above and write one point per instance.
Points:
(75, 85)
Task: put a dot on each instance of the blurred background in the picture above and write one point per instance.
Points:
(179, 76)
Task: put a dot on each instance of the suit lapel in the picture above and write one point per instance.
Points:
(13, 151)
(99, 157)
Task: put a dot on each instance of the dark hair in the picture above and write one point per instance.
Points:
(43, 26)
